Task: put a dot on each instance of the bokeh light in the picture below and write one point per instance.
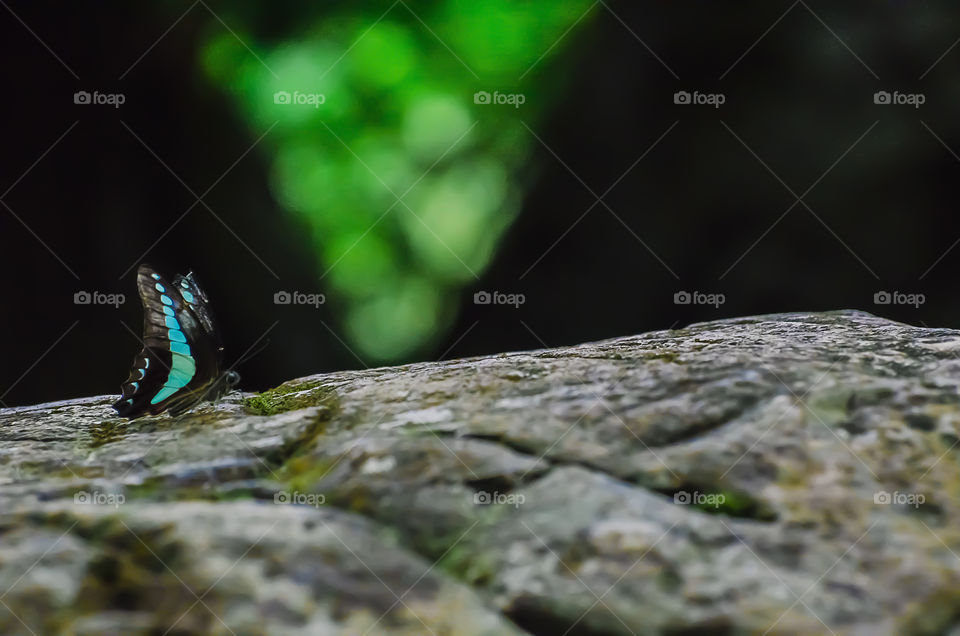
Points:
(406, 183)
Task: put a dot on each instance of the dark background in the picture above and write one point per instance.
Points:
(80, 216)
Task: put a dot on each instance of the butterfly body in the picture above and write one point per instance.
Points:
(180, 363)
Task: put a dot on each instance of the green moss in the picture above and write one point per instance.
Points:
(235, 494)
(302, 444)
(73, 471)
(292, 460)
(134, 569)
(99, 529)
(290, 397)
(665, 355)
(937, 613)
(742, 505)
(114, 430)
(107, 431)
(466, 565)
(303, 473)
(717, 501)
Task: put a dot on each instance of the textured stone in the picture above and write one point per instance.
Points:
(730, 477)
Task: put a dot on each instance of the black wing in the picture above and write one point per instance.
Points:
(180, 360)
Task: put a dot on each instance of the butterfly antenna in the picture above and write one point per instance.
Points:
(250, 354)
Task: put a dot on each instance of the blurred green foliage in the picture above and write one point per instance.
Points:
(399, 119)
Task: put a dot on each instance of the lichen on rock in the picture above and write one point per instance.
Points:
(785, 474)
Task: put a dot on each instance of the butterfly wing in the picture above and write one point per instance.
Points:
(150, 370)
(180, 359)
(199, 304)
(208, 343)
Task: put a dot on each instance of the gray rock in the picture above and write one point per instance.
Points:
(788, 474)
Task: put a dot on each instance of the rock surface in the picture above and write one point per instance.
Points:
(787, 474)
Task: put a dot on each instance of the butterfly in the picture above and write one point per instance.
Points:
(180, 364)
